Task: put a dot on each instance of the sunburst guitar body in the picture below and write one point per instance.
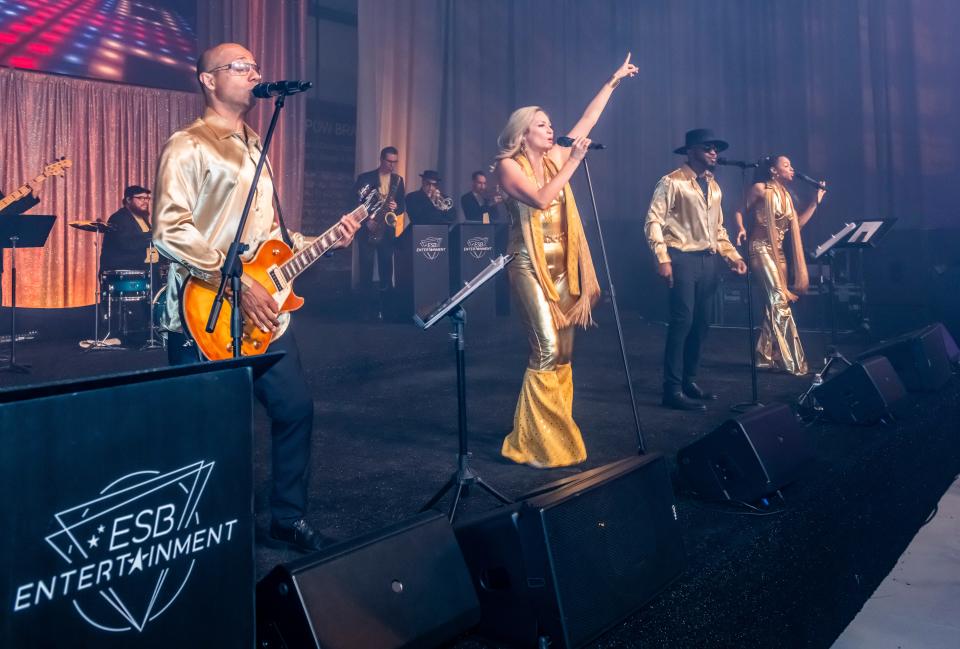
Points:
(275, 266)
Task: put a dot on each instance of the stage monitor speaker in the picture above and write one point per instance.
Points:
(404, 586)
(921, 357)
(563, 566)
(863, 393)
(748, 457)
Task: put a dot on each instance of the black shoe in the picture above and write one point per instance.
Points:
(299, 536)
(678, 401)
(693, 391)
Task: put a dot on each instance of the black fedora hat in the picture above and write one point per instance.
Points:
(701, 136)
(430, 174)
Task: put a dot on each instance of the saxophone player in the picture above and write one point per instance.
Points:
(377, 239)
(428, 205)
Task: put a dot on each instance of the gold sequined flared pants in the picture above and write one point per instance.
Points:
(779, 343)
(544, 433)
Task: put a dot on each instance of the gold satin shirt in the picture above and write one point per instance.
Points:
(203, 177)
(679, 217)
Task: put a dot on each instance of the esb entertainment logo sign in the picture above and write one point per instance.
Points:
(127, 553)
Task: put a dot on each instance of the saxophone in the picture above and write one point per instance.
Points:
(381, 220)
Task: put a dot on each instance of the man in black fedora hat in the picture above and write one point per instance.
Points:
(684, 228)
(428, 205)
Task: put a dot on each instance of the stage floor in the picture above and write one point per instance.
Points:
(385, 440)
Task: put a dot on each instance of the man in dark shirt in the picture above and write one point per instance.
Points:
(427, 205)
(126, 243)
(477, 203)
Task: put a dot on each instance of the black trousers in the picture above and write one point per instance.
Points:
(283, 391)
(367, 251)
(695, 279)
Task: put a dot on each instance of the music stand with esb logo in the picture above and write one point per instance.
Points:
(855, 235)
(20, 231)
(464, 476)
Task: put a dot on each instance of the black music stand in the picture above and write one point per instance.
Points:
(855, 235)
(464, 476)
(20, 231)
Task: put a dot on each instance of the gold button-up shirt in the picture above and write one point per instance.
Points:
(681, 217)
(203, 177)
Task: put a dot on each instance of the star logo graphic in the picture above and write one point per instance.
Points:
(93, 541)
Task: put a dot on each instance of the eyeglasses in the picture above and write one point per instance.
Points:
(707, 148)
(237, 68)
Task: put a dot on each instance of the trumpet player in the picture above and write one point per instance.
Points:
(479, 204)
(377, 239)
(428, 205)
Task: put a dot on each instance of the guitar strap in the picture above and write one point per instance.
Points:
(276, 203)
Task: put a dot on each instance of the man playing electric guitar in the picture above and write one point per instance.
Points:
(203, 178)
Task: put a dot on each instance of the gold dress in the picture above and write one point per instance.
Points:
(544, 432)
(779, 343)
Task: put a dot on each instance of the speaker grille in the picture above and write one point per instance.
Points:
(611, 546)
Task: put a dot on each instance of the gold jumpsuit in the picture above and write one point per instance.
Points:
(544, 433)
(779, 343)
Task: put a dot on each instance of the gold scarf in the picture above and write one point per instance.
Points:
(581, 276)
(801, 279)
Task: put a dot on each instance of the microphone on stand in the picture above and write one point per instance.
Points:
(819, 184)
(723, 162)
(563, 140)
(266, 90)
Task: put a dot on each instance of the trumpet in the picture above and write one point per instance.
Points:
(440, 201)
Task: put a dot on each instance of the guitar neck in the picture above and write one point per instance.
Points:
(301, 261)
(19, 193)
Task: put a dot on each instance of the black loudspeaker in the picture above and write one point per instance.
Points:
(405, 586)
(563, 566)
(921, 357)
(863, 393)
(748, 457)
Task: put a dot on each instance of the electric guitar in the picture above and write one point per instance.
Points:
(53, 169)
(274, 267)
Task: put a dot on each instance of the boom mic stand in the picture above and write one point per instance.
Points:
(641, 446)
(232, 268)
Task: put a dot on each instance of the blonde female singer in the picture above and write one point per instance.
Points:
(771, 215)
(552, 277)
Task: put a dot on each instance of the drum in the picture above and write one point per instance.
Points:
(125, 285)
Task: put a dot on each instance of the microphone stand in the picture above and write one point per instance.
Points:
(754, 394)
(641, 446)
(232, 267)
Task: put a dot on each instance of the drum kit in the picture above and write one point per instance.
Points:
(133, 306)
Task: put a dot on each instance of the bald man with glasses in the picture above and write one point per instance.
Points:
(204, 175)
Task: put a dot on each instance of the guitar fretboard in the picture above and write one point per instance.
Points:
(306, 257)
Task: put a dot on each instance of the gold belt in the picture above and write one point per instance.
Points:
(554, 238)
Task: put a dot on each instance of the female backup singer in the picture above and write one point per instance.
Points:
(552, 276)
(771, 214)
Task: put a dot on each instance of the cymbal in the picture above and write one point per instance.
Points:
(91, 226)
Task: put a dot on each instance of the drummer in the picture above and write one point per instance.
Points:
(126, 244)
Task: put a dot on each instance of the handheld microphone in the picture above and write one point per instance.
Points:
(267, 90)
(563, 140)
(737, 163)
(819, 184)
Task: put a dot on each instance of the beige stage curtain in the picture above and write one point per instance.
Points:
(112, 133)
(861, 92)
(275, 32)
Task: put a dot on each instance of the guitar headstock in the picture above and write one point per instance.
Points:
(370, 201)
(57, 168)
